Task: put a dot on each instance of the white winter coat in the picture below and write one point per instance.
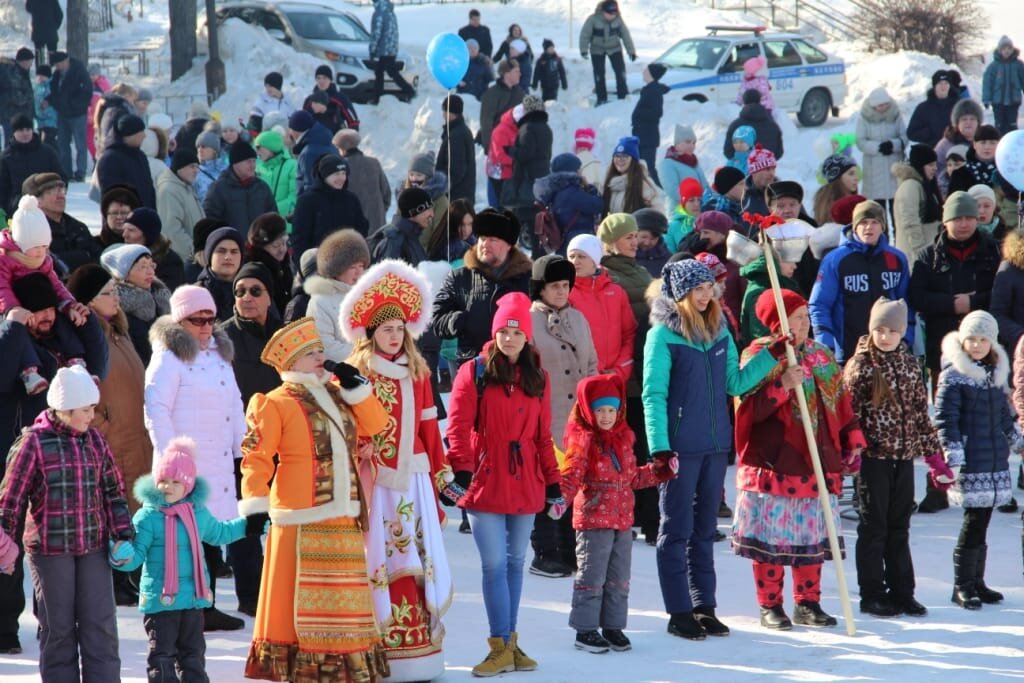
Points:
(872, 130)
(324, 303)
(191, 391)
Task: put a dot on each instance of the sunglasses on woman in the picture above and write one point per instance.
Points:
(201, 322)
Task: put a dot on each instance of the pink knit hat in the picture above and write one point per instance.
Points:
(190, 299)
(513, 312)
(178, 462)
(585, 138)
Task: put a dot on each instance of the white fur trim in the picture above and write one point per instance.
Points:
(425, 668)
(390, 369)
(250, 506)
(357, 395)
(954, 354)
(397, 478)
(429, 413)
(368, 279)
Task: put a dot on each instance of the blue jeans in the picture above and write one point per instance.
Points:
(68, 129)
(501, 540)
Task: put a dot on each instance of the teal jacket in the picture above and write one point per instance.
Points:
(149, 545)
(686, 409)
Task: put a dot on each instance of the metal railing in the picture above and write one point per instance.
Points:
(101, 17)
(795, 14)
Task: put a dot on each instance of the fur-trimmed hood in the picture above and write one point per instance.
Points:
(902, 170)
(518, 265)
(173, 337)
(1013, 249)
(146, 492)
(664, 311)
(318, 284)
(953, 355)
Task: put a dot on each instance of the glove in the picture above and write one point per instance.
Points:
(8, 553)
(778, 347)
(885, 148)
(348, 376)
(120, 552)
(851, 461)
(666, 469)
(939, 472)
(555, 502)
(256, 524)
(954, 453)
(455, 489)
(632, 57)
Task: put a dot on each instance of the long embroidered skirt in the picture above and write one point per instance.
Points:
(784, 530)
(314, 621)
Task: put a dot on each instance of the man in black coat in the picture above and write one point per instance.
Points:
(400, 239)
(70, 95)
(498, 99)
(47, 17)
(931, 117)
(16, 94)
(474, 30)
(238, 197)
(457, 139)
(71, 243)
(329, 206)
(531, 160)
(25, 156)
(123, 163)
(464, 307)
(753, 114)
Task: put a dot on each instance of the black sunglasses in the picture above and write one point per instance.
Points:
(254, 291)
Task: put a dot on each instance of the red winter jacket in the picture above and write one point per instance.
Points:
(512, 456)
(600, 472)
(605, 305)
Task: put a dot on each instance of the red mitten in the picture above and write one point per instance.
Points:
(939, 472)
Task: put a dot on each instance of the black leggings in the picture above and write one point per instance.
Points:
(975, 527)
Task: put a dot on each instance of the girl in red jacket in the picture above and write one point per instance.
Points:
(499, 437)
(599, 476)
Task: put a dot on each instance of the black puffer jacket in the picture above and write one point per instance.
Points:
(72, 243)
(71, 90)
(462, 172)
(249, 337)
(399, 239)
(121, 164)
(930, 118)
(465, 305)
(238, 204)
(320, 212)
(19, 161)
(531, 160)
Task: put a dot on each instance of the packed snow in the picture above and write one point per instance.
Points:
(982, 645)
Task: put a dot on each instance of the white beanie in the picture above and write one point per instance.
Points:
(29, 227)
(119, 259)
(150, 145)
(589, 245)
(980, 191)
(161, 120)
(72, 388)
(979, 324)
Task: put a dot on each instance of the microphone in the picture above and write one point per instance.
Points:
(346, 374)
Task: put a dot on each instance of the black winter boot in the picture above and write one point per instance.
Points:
(705, 616)
(934, 501)
(965, 572)
(683, 624)
(985, 594)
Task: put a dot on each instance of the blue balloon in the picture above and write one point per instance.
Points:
(448, 59)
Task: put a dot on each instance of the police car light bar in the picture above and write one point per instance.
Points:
(756, 30)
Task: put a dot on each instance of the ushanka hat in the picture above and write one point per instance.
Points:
(390, 290)
(290, 342)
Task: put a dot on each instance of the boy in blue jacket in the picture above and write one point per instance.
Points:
(647, 117)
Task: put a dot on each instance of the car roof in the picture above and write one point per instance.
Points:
(280, 5)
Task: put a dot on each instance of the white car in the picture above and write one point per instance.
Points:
(804, 79)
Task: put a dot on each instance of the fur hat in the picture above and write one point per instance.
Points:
(835, 166)
(682, 133)
(198, 109)
(390, 290)
(979, 324)
(38, 183)
(565, 163)
(190, 299)
(513, 312)
(629, 145)
(122, 194)
(86, 282)
(760, 159)
(868, 209)
(550, 268)
(240, 151)
(532, 103)
(29, 226)
(958, 205)
(499, 223)
(412, 201)
(35, 292)
(615, 226)
(201, 232)
(178, 463)
(300, 121)
(257, 270)
(72, 388)
(967, 107)
(341, 250)
(888, 313)
(715, 221)
(266, 228)
(768, 314)
(651, 220)
(208, 139)
(690, 188)
(119, 259)
(727, 178)
(589, 245)
(274, 80)
(680, 278)
(148, 221)
(842, 208)
(584, 138)
(422, 163)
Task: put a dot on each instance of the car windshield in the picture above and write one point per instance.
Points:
(322, 26)
(695, 53)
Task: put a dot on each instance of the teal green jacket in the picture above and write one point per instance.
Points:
(687, 384)
(150, 540)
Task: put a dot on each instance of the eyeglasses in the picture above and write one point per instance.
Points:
(255, 291)
(201, 322)
(119, 214)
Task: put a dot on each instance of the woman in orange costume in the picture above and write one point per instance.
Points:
(382, 315)
(314, 621)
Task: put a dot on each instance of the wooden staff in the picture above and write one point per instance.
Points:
(812, 443)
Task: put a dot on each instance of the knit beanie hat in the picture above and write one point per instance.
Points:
(38, 183)
(745, 133)
(201, 232)
(680, 278)
(986, 132)
(921, 155)
(727, 178)
(878, 97)
(546, 43)
(1004, 41)
(182, 157)
(129, 125)
(980, 191)
(836, 165)
(29, 227)
(629, 145)
(412, 201)
(589, 245)
(550, 268)
(499, 223)
(532, 103)
(119, 259)
(651, 220)
(513, 312)
(21, 122)
(319, 97)
(324, 70)
(330, 164)
(958, 205)
(979, 324)
(35, 292)
(190, 299)
(300, 121)
(714, 264)
(472, 44)
(690, 188)
(452, 104)
(715, 221)
(682, 133)
(584, 138)
(616, 226)
(86, 282)
(842, 209)
(197, 109)
(565, 163)
(339, 251)
(218, 236)
(760, 159)
(768, 314)
(422, 163)
(270, 140)
(888, 313)
(274, 80)
(208, 139)
(72, 388)
(177, 463)
(240, 151)
(255, 269)
(148, 221)
(940, 75)
(868, 209)
(657, 70)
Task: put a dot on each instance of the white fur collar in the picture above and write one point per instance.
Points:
(953, 353)
(396, 369)
(306, 379)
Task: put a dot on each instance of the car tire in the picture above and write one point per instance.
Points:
(814, 108)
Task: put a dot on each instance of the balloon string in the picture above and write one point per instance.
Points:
(448, 148)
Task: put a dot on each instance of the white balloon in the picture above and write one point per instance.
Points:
(1010, 158)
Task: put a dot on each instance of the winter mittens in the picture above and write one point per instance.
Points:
(120, 552)
(939, 472)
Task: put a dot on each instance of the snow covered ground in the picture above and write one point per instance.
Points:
(983, 645)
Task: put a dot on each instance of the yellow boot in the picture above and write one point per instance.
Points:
(522, 662)
(498, 661)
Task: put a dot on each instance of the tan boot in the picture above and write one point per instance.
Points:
(498, 661)
(522, 662)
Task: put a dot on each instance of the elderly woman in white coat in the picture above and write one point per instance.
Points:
(191, 391)
(880, 138)
(562, 337)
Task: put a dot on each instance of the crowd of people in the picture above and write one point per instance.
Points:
(251, 357)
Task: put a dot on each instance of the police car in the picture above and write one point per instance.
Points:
(804, 79)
